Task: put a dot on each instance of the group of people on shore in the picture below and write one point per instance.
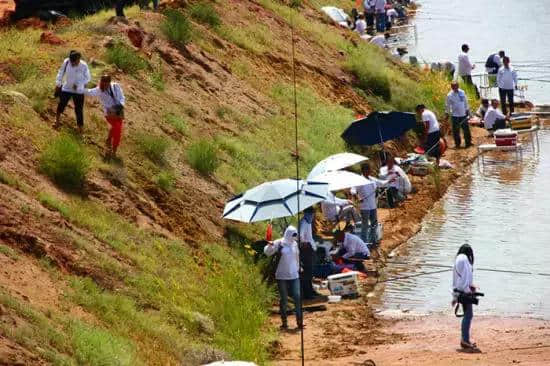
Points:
(71, 83)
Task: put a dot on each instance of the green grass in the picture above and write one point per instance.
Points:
(157, 78)
(66, 162)
(255, 37)
(8, 179)
(165, 180)
(177, 28)
(203, 156)
(126, 58)
(53, 203)
(153, 147)
(204, 13)
(176, 121)
(369, 72)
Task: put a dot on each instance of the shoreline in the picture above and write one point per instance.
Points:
(355, 322)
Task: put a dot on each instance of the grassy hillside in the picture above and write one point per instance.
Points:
(128, 262)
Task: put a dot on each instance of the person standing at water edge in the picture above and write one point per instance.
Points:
(493, 64)
(465, 67)
(463, 278)
(380, 10)
(368, 5)
(70, 83)
(457, 106)
(287, 273)
(113, 100)
(433, 134)
(507, 81)
(307, 248)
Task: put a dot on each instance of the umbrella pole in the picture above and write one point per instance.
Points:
(297, 157)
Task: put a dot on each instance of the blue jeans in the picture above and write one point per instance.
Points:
(369, 223)
(294, 287)
(467, 322)
(381, 22)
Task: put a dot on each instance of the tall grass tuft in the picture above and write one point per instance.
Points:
(370, 74)
(203, 156)
(176, 121)
(66, 162)
(205, 13)
(126, 58)
(165, 180)
(153, 147)
(177, 28)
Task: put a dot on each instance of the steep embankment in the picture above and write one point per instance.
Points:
(132, 266)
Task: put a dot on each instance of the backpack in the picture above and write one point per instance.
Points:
(490, 63)
(118, 108)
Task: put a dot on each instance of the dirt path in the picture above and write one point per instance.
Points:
(349, 332)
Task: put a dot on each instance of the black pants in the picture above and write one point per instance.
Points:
(394, 197)
(506, 94)
(432, 144)
(369, 17)
(78, 100)
(467, 79)
(499, 124)
(306, 258)
(119, 8)
(461, 123)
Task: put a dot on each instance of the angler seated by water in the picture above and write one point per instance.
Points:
(351, 247)
(494, 118)
(399, 184)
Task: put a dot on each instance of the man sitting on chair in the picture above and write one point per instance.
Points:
(399, 185)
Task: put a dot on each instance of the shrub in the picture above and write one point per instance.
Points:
(66, 162)
(153, 147)
(370, 72)
(177, 28)
(177, 122)
(126, 58)
(203, 156)
(205, 13)
(296, 3)
(165, 180)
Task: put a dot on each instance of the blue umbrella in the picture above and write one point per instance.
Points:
(379, 127)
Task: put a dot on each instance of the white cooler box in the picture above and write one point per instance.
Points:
(344, 284)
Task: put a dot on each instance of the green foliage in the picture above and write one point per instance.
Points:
(370, 73)
(157, 78)
(296, 3)
(6, 178)
(24, 70)
(66, 162)
(177, 122)
(203, 156)
(126, 58)
(165, 180)
(153, 147)
(176, 27)
(205, 13)
(53, 203)
(255, 38)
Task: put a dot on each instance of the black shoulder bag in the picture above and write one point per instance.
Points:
(57, 91)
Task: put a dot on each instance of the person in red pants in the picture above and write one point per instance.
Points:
(112, 98)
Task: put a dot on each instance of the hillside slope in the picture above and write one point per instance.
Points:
(135, 266)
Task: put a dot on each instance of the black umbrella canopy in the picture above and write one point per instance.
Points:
(379, 127)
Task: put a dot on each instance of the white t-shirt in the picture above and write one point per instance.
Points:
(399, 178)
(354, 245)
(491, 116)
(391, 14)
(379, 40)
(465, 67)
(367, 193)
(360, 26)
(430, 118)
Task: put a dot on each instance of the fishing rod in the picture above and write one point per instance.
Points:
(477, 269)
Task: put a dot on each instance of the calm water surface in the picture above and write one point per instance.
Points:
(503, 211)
(521, 28)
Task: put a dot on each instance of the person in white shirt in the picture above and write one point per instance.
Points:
(399, 184)
(391, 15)
(492, 65)
(352, 247)
(380, 10)
(380, 40)
(307, 247)
(287, 273)
(72, 77)
(368, 5)
(483, 108)
(494, 119)
(361, 25)
(463, 278)
(457, 106)
(112, 99)
(432, 132)
(336, 209)
(465, 67)
(507, 81)
(368, 205)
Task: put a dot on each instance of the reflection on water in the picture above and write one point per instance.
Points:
(502, 211)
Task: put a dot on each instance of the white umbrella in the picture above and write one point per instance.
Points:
(335, 162)
(275, 199)
(341, 179)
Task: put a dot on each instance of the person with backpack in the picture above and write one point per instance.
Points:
(463, 284)
(70, 83)
(492, 65)
(113, 100)
(287, 273)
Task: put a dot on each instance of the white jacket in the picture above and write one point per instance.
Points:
(289, 264)
(110, 97)
(73, 75)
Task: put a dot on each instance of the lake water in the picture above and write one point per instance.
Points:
(503, 212)
(518, 27)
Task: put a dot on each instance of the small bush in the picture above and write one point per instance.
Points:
(66, 162)
(177, 122)
(6, 178)
(126, 59)
(153, 147)
(296, 3)
(165, 180)
(203, 156)
(370, 72)
(177, 28)
(53, 203)
(24, 70)
(205, 13)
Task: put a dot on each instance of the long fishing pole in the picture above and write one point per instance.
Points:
(297, 157)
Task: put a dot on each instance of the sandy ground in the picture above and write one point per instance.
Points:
(350, 333)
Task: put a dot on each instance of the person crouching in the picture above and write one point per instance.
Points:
(112, 98)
